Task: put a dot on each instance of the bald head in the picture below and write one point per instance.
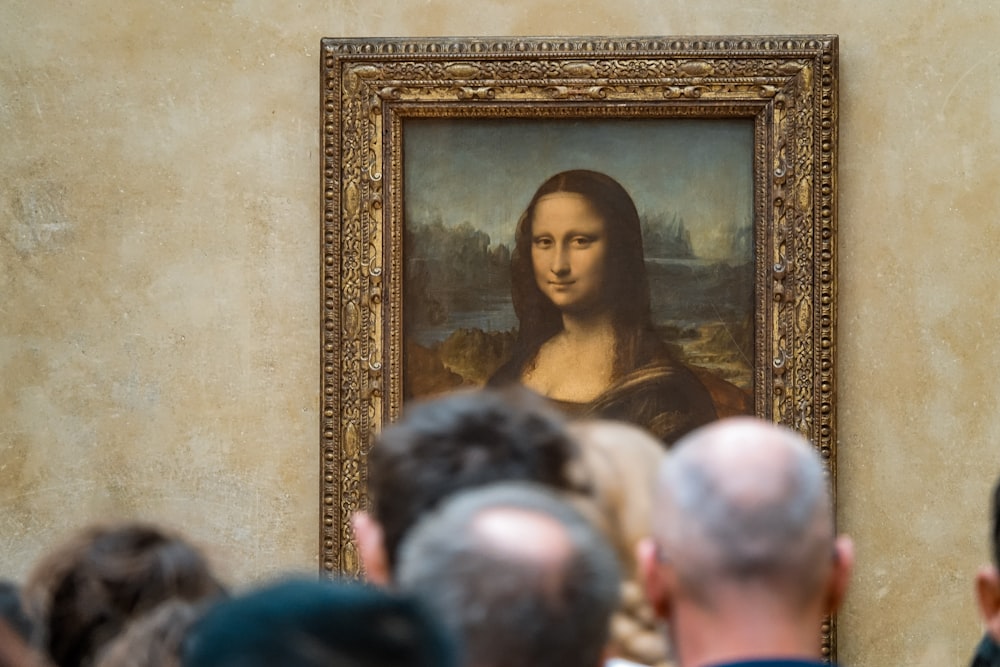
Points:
(517, 574)
(521, 534)
(743, 502)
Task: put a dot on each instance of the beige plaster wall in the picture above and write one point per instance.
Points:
(159, 275)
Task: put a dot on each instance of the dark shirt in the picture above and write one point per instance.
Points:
(987, 653)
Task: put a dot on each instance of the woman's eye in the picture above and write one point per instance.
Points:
(582, 241)
(543, 242)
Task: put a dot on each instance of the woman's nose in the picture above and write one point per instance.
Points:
(560, 261)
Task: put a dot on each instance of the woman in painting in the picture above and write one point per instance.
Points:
(586, 338)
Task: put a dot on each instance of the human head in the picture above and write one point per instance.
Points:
(517, 576)
(88, 589)
(621, 460)
(627, 288)
(743, 521)
(153, 639)
(312, 623)
(988, 578)
(569, 254)
(453, 442)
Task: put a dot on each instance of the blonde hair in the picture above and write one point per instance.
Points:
(620, 461)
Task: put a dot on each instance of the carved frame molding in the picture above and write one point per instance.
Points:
(368, 87)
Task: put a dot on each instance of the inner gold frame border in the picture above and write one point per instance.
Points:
(369, 86)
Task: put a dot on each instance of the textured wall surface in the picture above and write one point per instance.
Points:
(159, 275)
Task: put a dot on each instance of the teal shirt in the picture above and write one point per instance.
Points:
(987, 653)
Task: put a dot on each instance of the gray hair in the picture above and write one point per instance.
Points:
(746, 501)
(506, 602)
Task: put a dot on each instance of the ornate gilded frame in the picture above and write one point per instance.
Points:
(786, 84)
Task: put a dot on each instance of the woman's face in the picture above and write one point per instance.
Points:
(569, 245)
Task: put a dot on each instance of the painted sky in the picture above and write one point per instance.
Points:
(485, 171)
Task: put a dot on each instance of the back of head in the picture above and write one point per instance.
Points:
(85, 591)
(463, 440)
(620, 460)
(744, 505)
(302, 623)
(153, 639)
(516, 574)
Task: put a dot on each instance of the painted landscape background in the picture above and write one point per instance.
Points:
(466, 182)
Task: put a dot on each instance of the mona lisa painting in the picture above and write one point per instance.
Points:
(618, 301)
(636, 228)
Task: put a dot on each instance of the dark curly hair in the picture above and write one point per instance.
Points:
(464, 440)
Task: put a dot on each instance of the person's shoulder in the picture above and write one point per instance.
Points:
(987, 653)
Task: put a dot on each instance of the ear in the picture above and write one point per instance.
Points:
(655, 578)
(840, 573)
(988, 596)
(371, 548)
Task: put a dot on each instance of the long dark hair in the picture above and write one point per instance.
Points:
(626, 292)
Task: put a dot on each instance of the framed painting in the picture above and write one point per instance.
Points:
(485, 199)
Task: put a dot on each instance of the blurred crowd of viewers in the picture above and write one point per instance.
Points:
(497, 534)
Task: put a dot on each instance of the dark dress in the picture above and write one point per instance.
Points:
(662, 396)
